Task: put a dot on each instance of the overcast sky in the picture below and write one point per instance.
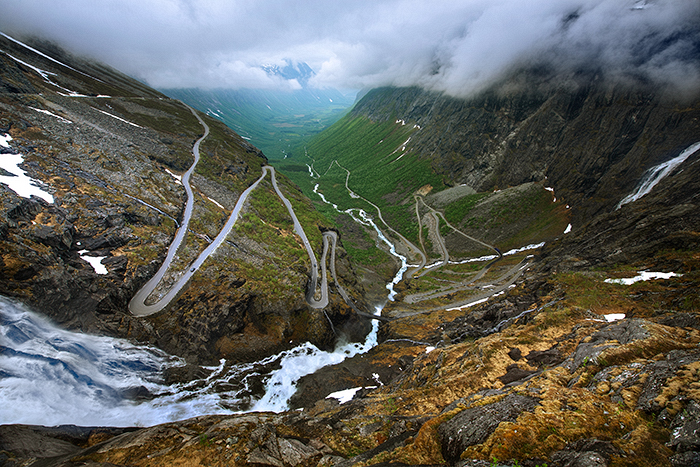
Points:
(458, 46)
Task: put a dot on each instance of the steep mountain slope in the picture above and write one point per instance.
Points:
(589, 138)
(109, 152)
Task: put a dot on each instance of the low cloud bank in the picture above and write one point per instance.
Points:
(458, 47)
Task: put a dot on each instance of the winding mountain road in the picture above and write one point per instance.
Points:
(317, 293)
(138, 306)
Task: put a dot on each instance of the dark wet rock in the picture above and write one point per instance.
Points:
(658, 373)
(475, 425)
(13, 77)
(585, 453)
(498, 315)
(25, 441)
(515, 373)
(293, 452)
(24, 210)
(29, 441)
(549, 357)
(115, 264)
(183, 373)
(59, 237)
(136, 393)
(515, 354)
(685, 429)
(25, 273)
(114, 239)
(685, 459)
(267, 448)
(681, 320)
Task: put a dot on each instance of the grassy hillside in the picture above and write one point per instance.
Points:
(380, 170)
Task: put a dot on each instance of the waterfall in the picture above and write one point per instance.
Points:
(50, 376)
(657, 173)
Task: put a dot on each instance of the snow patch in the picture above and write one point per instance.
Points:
(215, 202)
(568, 229)
(51, 114)
(72, 93)
(95, 262)
(401, 148)
(614, 317)
(19, 181)
(118, 118)
(344, 396)
(175, 176)
(43, 55)
(643, 276)
(5, 140)
(483, 300)
(532, 246)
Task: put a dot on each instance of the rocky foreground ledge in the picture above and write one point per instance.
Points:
(541, 377)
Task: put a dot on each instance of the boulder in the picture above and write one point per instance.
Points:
(475, 425)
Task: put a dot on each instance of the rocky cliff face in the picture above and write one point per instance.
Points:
(109, 150)
(590, 139)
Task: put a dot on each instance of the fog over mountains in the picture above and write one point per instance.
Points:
(455, 46)
(492, 258)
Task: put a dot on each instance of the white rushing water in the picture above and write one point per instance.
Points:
(392, 250)
(50, 376)
(657, 173)
(304, 360)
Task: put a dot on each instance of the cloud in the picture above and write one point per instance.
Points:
(456, 46)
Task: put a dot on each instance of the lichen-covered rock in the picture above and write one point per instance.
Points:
(685, 429)
(474, 425)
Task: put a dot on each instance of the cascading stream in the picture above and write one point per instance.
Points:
(46, 373)
(657, 173)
